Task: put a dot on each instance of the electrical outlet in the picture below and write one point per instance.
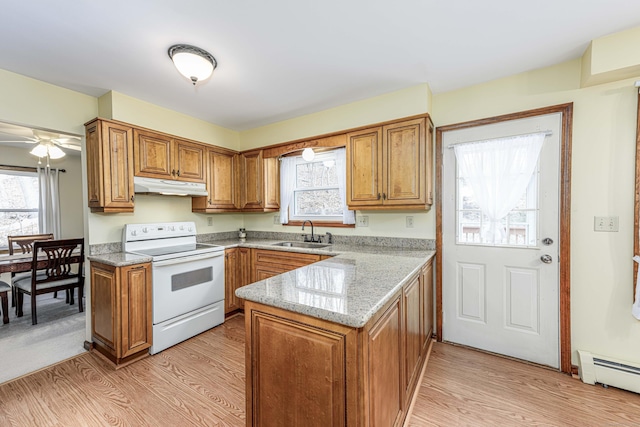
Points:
(605, 223)
(276, 219)
(210, 221)
(362, 221)
(409, 222)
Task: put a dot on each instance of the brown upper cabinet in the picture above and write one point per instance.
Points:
(161, 156)
(223, 183)
(260, 190)
(389, 166)
(109, 166)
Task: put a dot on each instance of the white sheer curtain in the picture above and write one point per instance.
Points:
(498, 172)
(287, 184)
(49, 206)
(348, 217)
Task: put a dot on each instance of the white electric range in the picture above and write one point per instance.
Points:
(188, 279)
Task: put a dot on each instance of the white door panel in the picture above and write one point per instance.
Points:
(502, 298)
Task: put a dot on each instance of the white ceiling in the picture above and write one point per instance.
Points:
(279, 59)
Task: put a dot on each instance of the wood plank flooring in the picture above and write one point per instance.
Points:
(464, 387)
(201, 383)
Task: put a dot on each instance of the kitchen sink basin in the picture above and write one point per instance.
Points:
(306, 245)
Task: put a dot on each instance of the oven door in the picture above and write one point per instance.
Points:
(181, 285)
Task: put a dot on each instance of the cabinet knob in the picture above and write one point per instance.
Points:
(384, 196)
(378, 196)
(173, 171)
(178, 172)
(132, 198)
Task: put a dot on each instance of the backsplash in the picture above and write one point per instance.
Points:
(393, 242)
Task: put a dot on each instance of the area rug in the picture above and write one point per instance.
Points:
(59, 335)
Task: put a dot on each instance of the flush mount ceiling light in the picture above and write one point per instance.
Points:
(192, 62)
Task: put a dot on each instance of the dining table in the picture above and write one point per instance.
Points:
(18, 263)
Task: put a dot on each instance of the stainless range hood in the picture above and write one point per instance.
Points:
(168, 187)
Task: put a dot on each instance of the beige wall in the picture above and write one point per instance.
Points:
(602, 184)
(30, 102)
(71, 205)
(403, 103)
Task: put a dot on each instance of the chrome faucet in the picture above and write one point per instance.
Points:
(306, 236)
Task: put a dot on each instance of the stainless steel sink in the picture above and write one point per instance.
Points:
(306, 245)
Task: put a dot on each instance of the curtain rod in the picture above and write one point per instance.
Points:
(546, 133)
(24, 168)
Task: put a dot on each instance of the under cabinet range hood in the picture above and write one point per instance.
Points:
(168, 187)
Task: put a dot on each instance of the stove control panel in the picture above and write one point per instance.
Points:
(164, 230)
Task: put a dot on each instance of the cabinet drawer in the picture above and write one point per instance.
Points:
(281, 258)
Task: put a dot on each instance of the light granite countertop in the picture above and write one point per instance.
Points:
(349, 288)
(119, 259)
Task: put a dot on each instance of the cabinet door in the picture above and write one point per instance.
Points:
(244, 268)
(109, 167)
(252, 177)
(404, 163)
(152, 154)
(298, 374)
(413, 329)
(231, 270)
(364, 166)
(136, 315)
(188, 161)
(426, 276)
(223, 179)
(104, 292)
(271, 184)
(385, 354)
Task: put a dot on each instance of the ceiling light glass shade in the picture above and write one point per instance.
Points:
(55, 152)
(192, 62)
(39, 150)
(308, 154)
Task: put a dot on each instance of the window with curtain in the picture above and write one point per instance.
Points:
(497, 191)
(314, 190)
(19, 204)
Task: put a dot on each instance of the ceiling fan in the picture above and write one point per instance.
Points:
(49, 143)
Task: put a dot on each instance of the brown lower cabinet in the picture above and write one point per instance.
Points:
(121, 316)
(237, 273)
(301, 370)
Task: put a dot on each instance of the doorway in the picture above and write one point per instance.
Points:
(507, 294)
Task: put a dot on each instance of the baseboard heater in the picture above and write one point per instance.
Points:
(605, 370)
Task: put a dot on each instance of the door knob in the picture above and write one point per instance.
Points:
(546, 258)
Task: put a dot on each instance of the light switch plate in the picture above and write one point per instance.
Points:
(209, 221)
(362, 221)
(276, 219)
(605, 223)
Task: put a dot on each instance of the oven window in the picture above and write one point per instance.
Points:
(191, 278)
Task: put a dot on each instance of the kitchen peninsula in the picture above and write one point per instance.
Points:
(340, 342)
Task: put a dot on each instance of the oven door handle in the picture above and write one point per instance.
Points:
(189, 258)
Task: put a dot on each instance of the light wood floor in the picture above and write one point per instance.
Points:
(201, 383)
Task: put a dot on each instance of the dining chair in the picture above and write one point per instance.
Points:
(4, 288)
(25, 243)
(56, 266)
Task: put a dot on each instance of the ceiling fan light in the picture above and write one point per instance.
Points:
(39, 150)
(192, 62)
(55, 152)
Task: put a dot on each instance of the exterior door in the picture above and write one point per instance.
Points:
(503, 296)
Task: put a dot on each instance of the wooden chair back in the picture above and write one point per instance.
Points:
(25, 241)
(61, 257)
